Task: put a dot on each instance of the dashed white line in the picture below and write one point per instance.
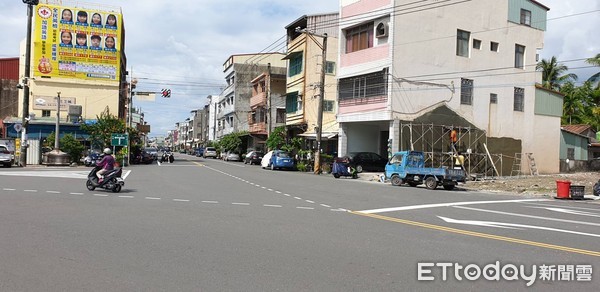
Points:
(100, 195)
(210, 202)
(297, 198)
(152, 198)
(274, 206)
(309, 201)
(278, 192)
(287, 195)
(270, 190)
(127, 197)
(305, 208)
(53, 192)
(5, 189)
(78, 194)
(30, 191)
(241, 204)
(339, 210)
(264, 187)
(326, 206)
(180, 200)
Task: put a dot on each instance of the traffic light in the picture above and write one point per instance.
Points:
(166, 93)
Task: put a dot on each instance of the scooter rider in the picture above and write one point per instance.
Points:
(107, 163)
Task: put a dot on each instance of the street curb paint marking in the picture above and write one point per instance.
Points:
(528, 216)
(479, 234)
(427, 206)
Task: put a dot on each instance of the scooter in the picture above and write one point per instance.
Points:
(167, 156)
(112, 180)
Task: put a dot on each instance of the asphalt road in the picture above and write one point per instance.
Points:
(209, 225)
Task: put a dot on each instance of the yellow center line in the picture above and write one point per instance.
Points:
(479, 234)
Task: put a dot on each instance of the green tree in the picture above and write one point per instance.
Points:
(106, 125)
(595, 79)
(231, 142)
(277, 138)
(553, 73)
(574, 104)
(67, 144)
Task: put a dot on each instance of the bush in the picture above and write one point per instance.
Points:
(302, 166)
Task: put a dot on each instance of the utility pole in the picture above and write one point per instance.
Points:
(270, 105)
(26, 83)
(57, 130)
(319, 128)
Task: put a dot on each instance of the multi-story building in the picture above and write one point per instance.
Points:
(233, 105)
(410, 72)
(305, 37)
(267, 106)
(199, 126)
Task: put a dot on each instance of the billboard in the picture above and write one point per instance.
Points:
(49, 103)
(76, 43)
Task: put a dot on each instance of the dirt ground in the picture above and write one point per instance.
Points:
(534, 185)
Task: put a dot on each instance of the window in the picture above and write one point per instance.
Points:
(571, 153)
(359, 38)
(328, 105)
(293, 102)
(369, 85)
(462, 43)
(329, 67)
(494, 46)
(280, 118)
(295, 65)
(476, 44)
(493, 98)
(466, 91)
(526, 17)
(519, 99)
(45, 113)
(519, 56)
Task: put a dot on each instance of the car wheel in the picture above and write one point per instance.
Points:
(396, 180)
(336, 175)
(359, 168)
(272, 166)
(431, 183)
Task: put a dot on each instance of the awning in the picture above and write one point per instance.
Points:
(292, 55)
(324, 135)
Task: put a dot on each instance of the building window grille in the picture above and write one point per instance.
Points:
(519, 99)
(466, 91)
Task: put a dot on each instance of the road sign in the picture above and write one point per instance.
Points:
(18, 127)
(118, 139)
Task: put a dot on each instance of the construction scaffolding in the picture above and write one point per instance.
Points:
(435, 142)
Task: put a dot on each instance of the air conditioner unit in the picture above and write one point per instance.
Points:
(75, 110)
(381, 29)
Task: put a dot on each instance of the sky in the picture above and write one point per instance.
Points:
(182, 45)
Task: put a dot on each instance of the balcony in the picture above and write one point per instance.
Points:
(258, 128)
(258, 100)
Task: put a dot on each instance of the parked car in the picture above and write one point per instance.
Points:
(232, 156)
(275, 159)
(210, 152)
(153, 152)
(253, 157)
(199, 152)
(367, 161)
(6, 158)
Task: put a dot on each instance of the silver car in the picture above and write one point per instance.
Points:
(210, 152)
(6, 159)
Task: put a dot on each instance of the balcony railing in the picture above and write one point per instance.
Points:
(258, 100)
(258, 128)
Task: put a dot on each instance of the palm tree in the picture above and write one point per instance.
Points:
(594, 79)
(553, 73)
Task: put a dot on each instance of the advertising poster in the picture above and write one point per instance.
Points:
(76, 43)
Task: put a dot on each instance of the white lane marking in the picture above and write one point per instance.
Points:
(270, 190)
(326, 206)
(278, 192)
(252, 183)
(256, 185)
(100, 195)
(30, 191)
(427, 206)
(128, 197)
(210, 202)
(339, 210)
(274, 206)
(264, 188)
(569, 211)
(309, 201)
(297, 198)
(305, 208)
(241, 204)
(152, 198)
(78, 194)
(127, 172)
(528, 216)
(550, 205)
(287, 195)
(53, 192)
(180, 200)
(48, 173)
(512, 226)
(5, 189)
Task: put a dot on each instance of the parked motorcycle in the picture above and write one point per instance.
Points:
(167, 156)
(112, 180)
(92, 159)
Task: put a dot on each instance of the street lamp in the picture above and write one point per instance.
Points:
(25, 118)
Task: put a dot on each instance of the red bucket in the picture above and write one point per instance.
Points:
(563, 188)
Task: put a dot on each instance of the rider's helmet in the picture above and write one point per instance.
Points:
(107, 151)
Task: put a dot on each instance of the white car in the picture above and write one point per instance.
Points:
(6, 159)
(266, 160)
